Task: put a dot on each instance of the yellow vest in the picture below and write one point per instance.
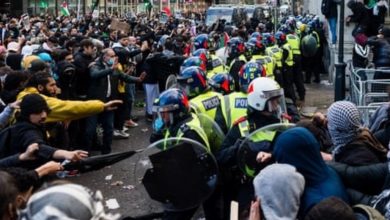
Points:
(207, 103)
(218, 66)
(236, 107)
(294, 42)
(258, 137)
(267, 62)
(194, 125)
(276, 53)
(290, 58)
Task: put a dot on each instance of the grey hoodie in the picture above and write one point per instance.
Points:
(279, 188)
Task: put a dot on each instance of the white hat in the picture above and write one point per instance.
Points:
(27, 50)
(13, 46)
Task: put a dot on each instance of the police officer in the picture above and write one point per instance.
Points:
(193, 81)
(193, 61)
(287, 64)
(201, 42)
(313, 67)
(174, 119)
(214, 63)
(222, 83)
(236, 102)
(259, 56)
(273, 50)
(263, 109)
(294, 41)
(236, 58)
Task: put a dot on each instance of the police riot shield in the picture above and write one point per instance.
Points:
(171, 82)
(261, 139)
(214, 133)
(178, 172)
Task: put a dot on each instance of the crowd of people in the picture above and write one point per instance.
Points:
(68, 87)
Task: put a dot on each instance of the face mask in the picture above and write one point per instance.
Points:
(111, 61)
(158, 125)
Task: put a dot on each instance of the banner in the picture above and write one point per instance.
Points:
(120, 26)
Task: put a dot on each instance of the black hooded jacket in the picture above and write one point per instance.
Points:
(381, 50)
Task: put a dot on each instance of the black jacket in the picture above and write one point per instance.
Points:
(381, 50)
(66, 81)
(154, 67)
(228, 153)
(101, 75)
(365, 149)
(81, 80)
(234, 72)
(368, 179)
(22, 134)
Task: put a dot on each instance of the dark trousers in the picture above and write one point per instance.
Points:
(130, 98)
(298, 77)
(288, 80)
(181, 215)
(106, 119)
(120, 112)
(278, 75)
(313, 68)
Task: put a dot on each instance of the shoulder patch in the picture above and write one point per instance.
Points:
(184, 128)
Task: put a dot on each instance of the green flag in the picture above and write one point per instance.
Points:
(64, 9)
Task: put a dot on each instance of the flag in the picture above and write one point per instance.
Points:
(167, 11)
(64, 9)
(43, 4)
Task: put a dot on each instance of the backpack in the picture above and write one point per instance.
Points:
(325, 7)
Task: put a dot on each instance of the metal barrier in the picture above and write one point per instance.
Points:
(368, 89)
(367, 111)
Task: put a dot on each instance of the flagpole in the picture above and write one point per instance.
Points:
(78, 9)
(56, 8)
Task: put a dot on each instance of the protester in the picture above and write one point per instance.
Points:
(299, 148)
(353, 144)
(66, 201)
(279, 187)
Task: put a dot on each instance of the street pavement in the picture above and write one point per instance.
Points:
(125, 186)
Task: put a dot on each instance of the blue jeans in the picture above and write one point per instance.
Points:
(333, 29)
(106, 119)
(130, 96)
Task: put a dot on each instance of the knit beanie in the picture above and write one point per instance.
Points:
(32, 104)
(343, 123)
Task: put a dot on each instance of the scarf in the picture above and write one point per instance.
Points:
(343, 124)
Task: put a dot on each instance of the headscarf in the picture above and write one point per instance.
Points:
(279, 187)
(299, 148)
(343, 123)
(66, 202)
